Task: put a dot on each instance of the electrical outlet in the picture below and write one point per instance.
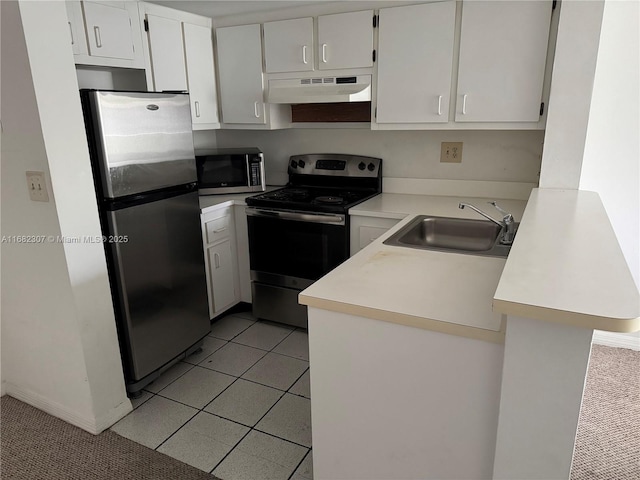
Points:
(451, 152)
(37, 187)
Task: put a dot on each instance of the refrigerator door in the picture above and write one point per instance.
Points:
(142, 141)
(158, 281)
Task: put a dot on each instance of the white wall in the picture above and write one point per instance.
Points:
(611, 164)
(60, 350)
(570, 96)
(510, 156)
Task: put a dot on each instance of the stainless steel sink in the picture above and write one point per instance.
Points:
(458, 235)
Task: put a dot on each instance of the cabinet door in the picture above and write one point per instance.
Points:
(503, 50)
(241, 83)
(288, 45)
(108, 30)
(345, 40)
(223, 277)
(415, 62)
(200, 73)
(167, 54)
(76, 28)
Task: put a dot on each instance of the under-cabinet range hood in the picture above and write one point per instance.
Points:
(320, 90)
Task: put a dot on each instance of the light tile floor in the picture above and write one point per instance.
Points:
(239, 409)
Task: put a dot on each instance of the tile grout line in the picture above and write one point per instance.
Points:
(298, 466)
(199, 410)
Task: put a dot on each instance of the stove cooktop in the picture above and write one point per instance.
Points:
(313, 199)
(325, 183)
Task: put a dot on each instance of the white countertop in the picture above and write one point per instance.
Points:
(566, 266)
(398, 205)
(211, 202)
(441, 291)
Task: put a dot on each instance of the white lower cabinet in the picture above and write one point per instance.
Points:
(219, 240)
(223, 277)
(365, 230)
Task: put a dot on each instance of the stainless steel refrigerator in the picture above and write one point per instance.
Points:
(144, 170)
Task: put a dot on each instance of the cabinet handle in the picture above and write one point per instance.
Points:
(216, 260)
(220, 230)
(464, 104)
(71, 33)
(96, 32)
(304, 54)
(256, 112)
(324, 53)
(439, 104)
(197, 105)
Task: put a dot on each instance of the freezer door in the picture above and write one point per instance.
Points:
(158, 281)
(142, 141)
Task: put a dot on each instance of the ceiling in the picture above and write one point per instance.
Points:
(220, 8)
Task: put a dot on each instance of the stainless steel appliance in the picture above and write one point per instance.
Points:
(230, 170)
(300, 232)
(144, 169)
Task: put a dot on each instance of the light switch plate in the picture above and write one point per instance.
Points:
(37, 187)
(451, 152)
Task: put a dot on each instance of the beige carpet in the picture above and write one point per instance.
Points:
(35, 445)
(608, 440)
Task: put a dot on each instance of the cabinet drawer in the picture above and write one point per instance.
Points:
(218, 228)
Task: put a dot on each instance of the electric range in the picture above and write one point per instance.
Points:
(300, 232)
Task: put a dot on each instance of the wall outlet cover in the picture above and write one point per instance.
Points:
(37, 187)
(451, 152)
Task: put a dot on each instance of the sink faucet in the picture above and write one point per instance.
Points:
(507, 224)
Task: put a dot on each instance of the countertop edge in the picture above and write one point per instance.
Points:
(404, 319)
(574, 297)
(575, 319)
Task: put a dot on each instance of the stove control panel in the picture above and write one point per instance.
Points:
(335, 165)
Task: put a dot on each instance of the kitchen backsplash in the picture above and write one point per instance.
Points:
(507, 156)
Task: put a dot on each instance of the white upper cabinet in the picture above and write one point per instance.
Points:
(240, 73)
(109, 30)
(201, 77)
(345, 40)
(167, 54)
(105, 33)
(76, 28)
(180, 58)
(288, 45)
(415, 56)
(503, 50)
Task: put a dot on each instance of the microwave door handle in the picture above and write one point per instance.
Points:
(248, 167)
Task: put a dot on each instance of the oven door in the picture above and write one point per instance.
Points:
(293, 249)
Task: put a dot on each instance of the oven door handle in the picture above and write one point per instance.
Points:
(297, 216)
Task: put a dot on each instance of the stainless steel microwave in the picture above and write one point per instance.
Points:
(230, 170)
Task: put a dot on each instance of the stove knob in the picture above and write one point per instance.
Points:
(361, 166)
(301, 163)
(371, 167)
(294, 164)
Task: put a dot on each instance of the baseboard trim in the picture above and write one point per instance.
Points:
(89, 424)
(618, 340)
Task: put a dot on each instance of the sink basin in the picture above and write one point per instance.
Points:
(459, 235)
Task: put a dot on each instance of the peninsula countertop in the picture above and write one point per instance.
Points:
(565, 266)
